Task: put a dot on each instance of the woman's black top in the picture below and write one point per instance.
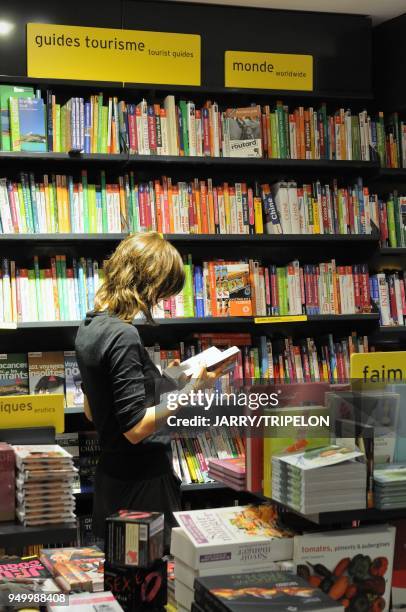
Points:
(121, 382)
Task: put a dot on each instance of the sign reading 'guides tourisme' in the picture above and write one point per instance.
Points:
(104, 54)
(248, 69)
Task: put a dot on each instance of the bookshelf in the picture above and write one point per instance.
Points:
(15, 535)
(53, 334)
(337, 519)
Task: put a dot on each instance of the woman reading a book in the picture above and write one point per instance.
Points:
(124, 390)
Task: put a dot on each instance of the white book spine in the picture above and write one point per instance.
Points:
(164, 135)
(5, 211)
(238, 201)
(294, 208)
(282, 204)
(398, 296)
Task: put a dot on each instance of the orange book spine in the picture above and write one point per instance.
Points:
(197, 199)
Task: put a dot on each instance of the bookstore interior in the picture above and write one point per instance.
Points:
(203, 306)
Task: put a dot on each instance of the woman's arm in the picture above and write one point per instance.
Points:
(86, 408)
(155, 417)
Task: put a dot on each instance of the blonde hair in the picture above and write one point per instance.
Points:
(144, 269)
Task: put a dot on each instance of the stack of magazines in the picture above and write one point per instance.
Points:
(230, 471)
(325, 479)
(45, 475)
(390, 487)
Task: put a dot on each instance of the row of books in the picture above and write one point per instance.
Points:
(42, 372)
(100, 125)
(58, 204)
(53, 293)
(191, 454)
(215, 288)
(388, 294)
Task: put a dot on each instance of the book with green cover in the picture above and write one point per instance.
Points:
(290, 439)
(282, 291)
(31, 118)
(7, 92)
(188, 300)
(281, 130)
(390, 211)
(184, 112)
(15, 143)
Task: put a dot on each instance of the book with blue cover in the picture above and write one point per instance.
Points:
(31, 112)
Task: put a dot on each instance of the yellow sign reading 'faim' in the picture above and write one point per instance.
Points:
(32, 411)
(378, 368)
(104, 54)
(248, 69)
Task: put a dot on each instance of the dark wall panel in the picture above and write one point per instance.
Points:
(389, 61)
(340, 44)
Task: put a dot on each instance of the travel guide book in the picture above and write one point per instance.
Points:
(13, 374)
(46, 372)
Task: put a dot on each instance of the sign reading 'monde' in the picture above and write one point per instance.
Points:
(254, 70)
(104, 54)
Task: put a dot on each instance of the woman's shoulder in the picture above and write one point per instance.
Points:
(108, 328)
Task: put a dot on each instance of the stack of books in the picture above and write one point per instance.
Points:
(225, 541)
(75, 569)
(267, 590)
(229, 471)
(44, 483)
(390, 487)
(324, 479)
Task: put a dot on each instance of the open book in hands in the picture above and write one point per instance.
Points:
(212, 358)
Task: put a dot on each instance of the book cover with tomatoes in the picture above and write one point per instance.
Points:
(353, 566)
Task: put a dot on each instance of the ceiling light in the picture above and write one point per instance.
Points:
(6, 27)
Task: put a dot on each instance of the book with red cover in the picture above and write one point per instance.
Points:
(7, 482)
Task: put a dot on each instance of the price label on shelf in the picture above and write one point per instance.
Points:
(8, 325)
(287, 319)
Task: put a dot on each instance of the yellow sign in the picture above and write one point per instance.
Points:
(104, 54)
(387, 368)
(32, 411)
(268, 70)
(288, 319)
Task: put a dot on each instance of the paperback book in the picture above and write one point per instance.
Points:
(46, 372)
(13, 374)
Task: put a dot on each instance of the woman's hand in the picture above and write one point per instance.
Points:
(205, 379)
